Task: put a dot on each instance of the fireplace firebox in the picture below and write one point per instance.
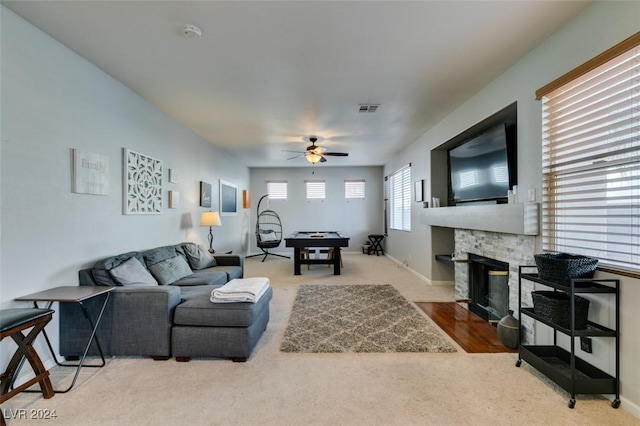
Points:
(488, 287)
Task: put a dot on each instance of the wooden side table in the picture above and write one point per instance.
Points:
(73, 294)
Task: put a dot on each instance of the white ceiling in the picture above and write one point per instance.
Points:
(266, 75)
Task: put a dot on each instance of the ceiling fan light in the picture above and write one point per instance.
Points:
(312, 157)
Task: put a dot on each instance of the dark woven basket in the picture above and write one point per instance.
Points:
(555, 306)
(560, 268)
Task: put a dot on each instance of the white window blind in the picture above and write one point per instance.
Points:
(315, 189)
(354, 188)
(277, 190)
(591, 164)
(400, 199)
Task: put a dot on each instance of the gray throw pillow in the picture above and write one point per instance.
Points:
(132, 273)
(170, 270)
(268, 237)
(199, 257)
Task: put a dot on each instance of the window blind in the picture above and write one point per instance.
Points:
(315, 189)
(591, 163)
(400, 199)
(277, 190)
(354, 188)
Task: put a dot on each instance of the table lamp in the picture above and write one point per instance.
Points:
(210, 219)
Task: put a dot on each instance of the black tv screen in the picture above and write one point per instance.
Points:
(483, 167)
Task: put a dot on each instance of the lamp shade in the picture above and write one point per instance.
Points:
(210, 219)
(312, 157)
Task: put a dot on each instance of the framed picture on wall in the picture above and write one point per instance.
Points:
(205, 194)
(419, 190)
(174, 199)
(228, 199)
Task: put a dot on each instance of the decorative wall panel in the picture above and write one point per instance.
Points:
(142, 184)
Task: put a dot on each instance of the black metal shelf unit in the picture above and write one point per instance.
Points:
(573, 374)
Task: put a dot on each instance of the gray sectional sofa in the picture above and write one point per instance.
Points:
(160, 307)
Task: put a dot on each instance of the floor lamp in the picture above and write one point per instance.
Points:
(210, 219)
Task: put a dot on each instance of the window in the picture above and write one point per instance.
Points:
(277, 190)
(591, 160)
(354, 188)
(315, 189)
(400, 199)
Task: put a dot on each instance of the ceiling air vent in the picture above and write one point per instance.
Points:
(368, 107)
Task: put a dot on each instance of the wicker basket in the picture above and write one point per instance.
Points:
(560, 268)
(555, 306)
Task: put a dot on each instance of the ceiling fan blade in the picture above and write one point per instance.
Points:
(295, 156)
(336, 154)
(288, 150)
(322, 159)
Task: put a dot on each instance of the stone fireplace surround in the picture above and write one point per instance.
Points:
(505, 232)
(514, 249)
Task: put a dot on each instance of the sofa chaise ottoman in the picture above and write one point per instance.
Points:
(138, 319)
(202, 328)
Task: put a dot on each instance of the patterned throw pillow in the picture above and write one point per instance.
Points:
(170, 270)
(132, 273)
(199, 257)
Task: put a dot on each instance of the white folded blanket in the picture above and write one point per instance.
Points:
(241, 290)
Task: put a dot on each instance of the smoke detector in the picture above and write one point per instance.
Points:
(192, 31)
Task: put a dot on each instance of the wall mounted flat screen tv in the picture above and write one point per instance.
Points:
(483, 168)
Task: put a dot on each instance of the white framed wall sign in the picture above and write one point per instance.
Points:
(173, 176)
(174, 199)
(142, 183)
(90, 173)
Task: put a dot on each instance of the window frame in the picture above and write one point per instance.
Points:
(590, 155)
(283, 195)
(400, 200)
(355, 193)
(321, 187)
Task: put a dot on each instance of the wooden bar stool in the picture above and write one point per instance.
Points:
(12, 324)
(332, 253)
(376, 244)
(304, 253)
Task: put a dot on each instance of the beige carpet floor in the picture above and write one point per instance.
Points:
(277, 388)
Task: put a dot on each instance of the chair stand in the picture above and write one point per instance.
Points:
(12, 324)
(267, 253)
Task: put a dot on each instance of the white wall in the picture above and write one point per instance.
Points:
(354, 217)
(53, 101)
(598, 28)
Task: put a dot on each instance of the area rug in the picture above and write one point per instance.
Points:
(358, 318)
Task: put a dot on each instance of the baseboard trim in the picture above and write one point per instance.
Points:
(416, 273)
(629, 407)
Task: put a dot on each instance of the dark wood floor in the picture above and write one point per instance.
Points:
(474, 334)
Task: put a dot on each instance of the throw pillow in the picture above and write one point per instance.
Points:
(199, 257)
(170, 270)
(158, 254)
(100, 270)
(270, 236)
(132, 273)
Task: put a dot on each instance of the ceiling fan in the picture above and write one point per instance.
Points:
(315, 153)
